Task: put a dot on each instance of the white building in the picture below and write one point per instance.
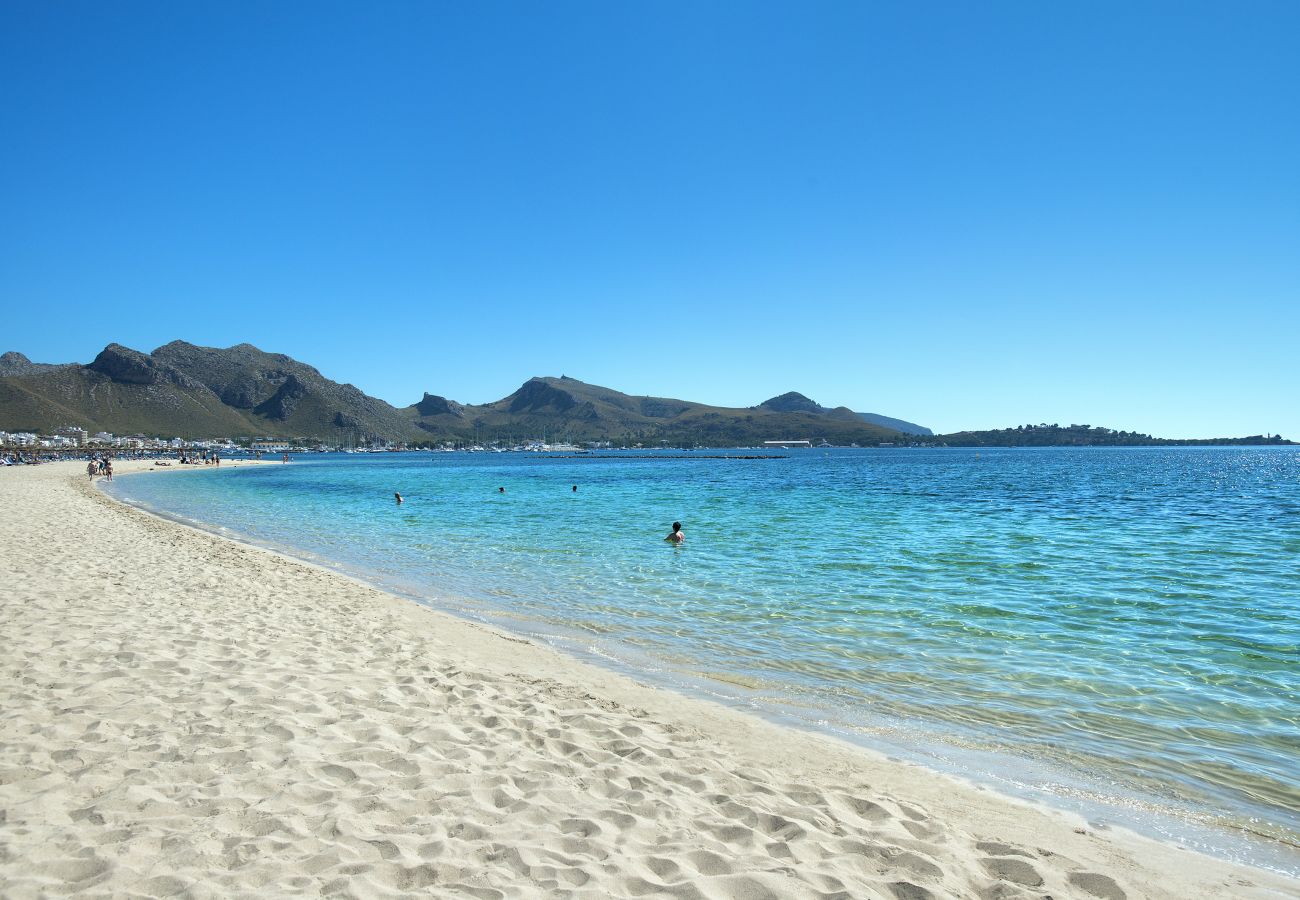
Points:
(73, 433)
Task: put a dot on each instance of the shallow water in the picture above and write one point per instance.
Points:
(1114, 630)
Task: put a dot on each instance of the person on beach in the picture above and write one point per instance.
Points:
(108, 470)
(91, 468)
(677, 536)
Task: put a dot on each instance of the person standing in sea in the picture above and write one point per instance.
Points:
(677, 536)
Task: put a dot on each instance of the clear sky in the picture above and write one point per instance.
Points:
(968, 215)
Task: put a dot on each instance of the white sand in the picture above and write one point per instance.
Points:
(182, 715)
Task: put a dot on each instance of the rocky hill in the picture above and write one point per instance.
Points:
(795, 402)
(181, 390)
(567, 409)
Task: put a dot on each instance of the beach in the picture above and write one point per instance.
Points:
(184, 715)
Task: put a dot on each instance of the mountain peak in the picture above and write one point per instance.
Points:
(173, 347)
(537, 394)
(792, 401)
(124, 365)
(14, 363)
(434, 405)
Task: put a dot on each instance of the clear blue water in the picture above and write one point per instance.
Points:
(1113, 630)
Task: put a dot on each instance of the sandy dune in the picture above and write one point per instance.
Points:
(181, 715)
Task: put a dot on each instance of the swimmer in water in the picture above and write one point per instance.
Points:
(677, 537)
(501, 490)
(398, 496)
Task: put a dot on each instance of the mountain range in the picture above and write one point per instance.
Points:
(182, 390)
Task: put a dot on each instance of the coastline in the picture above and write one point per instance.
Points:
(183, 712)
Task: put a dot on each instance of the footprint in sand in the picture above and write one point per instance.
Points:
(1014, 870)
(279, 731)
(708, 863)
(905, 890)
(402, 766)
(1098, 885)
(339, 773)
(996, 848)
(865, 809)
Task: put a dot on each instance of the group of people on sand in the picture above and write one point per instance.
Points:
(676, 536)
(100, 465)
(205, 458)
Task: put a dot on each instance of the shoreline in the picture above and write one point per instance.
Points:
(662, 794)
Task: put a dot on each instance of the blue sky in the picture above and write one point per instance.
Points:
(966, 215)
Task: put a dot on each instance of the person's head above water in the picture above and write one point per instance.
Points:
(677, 526)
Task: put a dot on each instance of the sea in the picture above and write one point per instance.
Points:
(1110, 631)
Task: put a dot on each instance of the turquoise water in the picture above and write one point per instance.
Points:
(1113, 630)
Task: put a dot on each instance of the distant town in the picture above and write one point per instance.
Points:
(73, 439)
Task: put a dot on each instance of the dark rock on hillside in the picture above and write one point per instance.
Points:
(125, 366)
(293, 396)
(537, 396)
(433, 405)
(284, 401)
